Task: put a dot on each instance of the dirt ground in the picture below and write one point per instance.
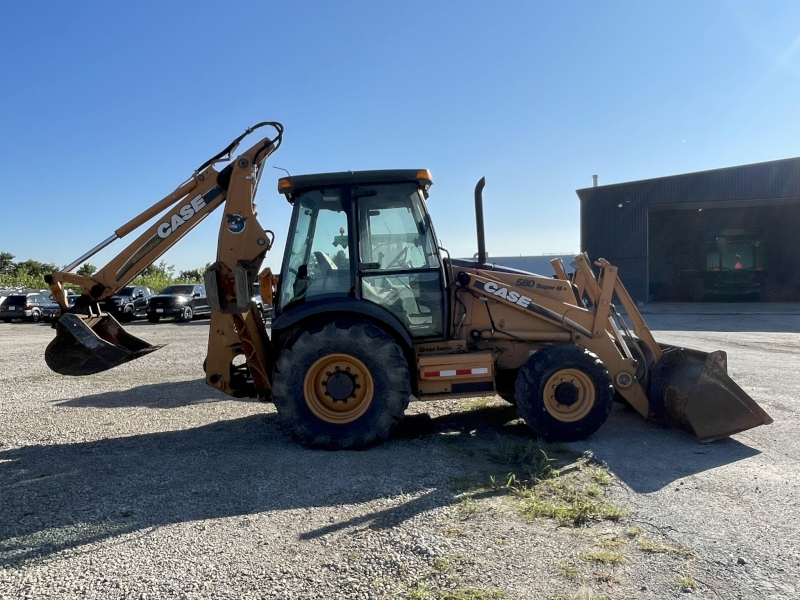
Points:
(144, 482)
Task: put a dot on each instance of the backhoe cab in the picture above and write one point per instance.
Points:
(368, 314)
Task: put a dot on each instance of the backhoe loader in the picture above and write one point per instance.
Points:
(369, 312)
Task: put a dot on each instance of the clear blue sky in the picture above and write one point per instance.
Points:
(108, 106)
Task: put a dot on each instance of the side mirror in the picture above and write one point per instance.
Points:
(140, 294)
(196, 295)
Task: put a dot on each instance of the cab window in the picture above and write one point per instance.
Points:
(398, 258)
(318, 261)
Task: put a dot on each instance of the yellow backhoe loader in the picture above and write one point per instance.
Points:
(369, 312)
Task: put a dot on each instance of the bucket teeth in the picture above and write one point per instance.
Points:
(691, 390)
(89, 345)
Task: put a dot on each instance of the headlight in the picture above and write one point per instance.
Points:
(180, 300)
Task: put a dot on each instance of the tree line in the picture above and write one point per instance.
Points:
(30, 273)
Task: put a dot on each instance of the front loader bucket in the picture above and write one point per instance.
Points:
(691, 390)
(89, 345)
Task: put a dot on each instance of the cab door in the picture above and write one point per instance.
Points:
(399, 267)
(317, 259)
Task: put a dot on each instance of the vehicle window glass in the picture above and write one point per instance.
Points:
(319, 256)
(414, 298)
(177, 289)
(395, 232)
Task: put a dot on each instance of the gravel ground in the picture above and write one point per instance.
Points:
(142, 482)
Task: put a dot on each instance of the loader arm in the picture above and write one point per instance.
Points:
(583, 327)
(679, 387)
(91, 342)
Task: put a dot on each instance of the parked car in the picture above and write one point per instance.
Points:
(264, 308)
(29, 306)
(51, 311)
(130, 303)
(183, 301)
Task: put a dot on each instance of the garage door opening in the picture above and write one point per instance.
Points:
(745, 251)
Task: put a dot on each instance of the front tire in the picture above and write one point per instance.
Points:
(153, 318)
(564, 393)
(186, 315)
(341, 384)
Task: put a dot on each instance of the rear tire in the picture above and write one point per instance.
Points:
(341, 384)
(36, 316)
(564, 393)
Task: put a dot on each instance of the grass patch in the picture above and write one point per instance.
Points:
(453, 531)
(569, 570)
(572, 496)
(425, 592)
(480, 403)
(606, 557)
(468, 508)
(606, 578)
(652, 547)
(529, 461)
(686, 581)
(441, 565)
(566, 501)
(633, 532)
(600, 475)
(611, 542)
(582, 594)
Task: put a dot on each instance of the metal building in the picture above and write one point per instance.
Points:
(727, 234)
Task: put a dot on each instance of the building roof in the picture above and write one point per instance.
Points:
(759, 181)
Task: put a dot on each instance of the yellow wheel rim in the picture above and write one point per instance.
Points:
(569, 395)
(338, 388)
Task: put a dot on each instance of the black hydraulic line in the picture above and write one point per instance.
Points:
(277, 141)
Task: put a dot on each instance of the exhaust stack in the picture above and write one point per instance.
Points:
(479, 221)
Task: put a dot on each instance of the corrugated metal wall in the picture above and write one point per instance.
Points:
(614, 217)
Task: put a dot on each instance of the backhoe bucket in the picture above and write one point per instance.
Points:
(88, 345)
(690, 390)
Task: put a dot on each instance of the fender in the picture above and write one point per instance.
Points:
(314, 309)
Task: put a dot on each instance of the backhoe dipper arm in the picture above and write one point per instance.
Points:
(186, 207)
(89, 341)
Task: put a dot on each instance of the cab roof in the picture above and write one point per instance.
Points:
(294, 184)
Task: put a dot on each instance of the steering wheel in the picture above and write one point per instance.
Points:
(399, 258)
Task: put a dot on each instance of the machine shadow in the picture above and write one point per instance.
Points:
(644, 456)
(647, 457)
(67, 495)
(157, 395)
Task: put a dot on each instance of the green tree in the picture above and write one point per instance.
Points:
(341, 261)
(34, 268)
(87, 270)
(6, 263)
(192, 275)
(162, 269)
